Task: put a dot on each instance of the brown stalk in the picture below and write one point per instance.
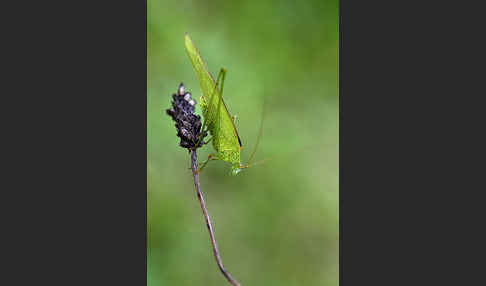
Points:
(194, 166)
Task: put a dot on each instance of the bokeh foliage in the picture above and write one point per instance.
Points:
(276, 223)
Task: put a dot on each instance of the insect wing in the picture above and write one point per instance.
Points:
(225, 137)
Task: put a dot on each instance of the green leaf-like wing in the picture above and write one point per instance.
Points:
(221, 127)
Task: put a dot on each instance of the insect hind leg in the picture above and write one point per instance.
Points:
(220, 79)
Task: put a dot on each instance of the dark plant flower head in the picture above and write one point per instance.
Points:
(188, 124)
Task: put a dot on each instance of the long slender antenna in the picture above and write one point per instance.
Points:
(259, 135)
(208, 221)
(280, 154)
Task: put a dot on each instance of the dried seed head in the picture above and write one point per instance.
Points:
(181, 89)
(188, 124)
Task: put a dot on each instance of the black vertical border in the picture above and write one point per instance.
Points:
(76, 177)
(410, 143)
(371, 120)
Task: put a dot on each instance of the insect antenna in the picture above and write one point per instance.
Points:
(296, 151)
(249, 164)
(260, 131)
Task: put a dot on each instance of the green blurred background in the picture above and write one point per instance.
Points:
(276, 223)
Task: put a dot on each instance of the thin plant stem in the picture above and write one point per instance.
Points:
(208, 220)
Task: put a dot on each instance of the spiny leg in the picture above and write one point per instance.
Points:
(218, 118)
(221, 76)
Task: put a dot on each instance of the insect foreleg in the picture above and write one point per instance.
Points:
(206, 142)
(212, 156)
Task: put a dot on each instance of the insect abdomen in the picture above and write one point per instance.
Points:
(231, 156)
